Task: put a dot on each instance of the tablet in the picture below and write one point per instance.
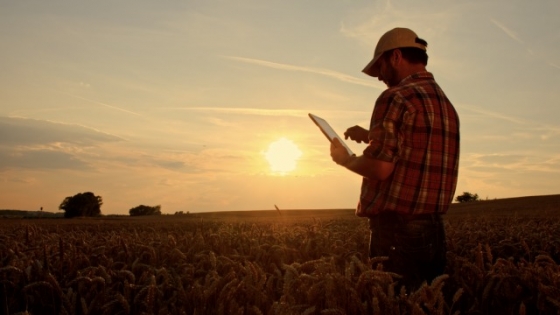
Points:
(328, 131)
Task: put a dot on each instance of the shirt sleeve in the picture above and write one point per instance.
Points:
(384, 127)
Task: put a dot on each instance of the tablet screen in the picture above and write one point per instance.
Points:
(328, 131)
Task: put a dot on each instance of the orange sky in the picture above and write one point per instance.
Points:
(176, 104)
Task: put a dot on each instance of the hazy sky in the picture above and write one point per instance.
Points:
(174, 103)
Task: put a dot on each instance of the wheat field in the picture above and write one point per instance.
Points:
(269, 264)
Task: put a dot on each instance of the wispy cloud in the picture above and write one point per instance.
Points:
(369, 23)
(514, 162)
(548, 131)
(511, 34)
(270, 112)
(24, 131)
(40, 159)
(508, 31)
(245, 111)
(492, 114)
(526, 129)
(324, 72)
(103, 104)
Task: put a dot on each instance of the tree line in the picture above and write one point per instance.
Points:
(87, 204)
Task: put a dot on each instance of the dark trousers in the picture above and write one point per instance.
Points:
(415, 246)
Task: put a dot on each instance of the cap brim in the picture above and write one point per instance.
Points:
(372, 68)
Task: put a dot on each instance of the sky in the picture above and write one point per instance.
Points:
(174, 103)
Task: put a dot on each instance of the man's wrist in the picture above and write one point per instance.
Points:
(348, 160)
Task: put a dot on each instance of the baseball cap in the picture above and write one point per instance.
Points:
(396, 38)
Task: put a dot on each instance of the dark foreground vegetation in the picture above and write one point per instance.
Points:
(295, 262)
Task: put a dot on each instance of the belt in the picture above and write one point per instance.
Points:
(391, 218)
(392, 215)
(420, 217)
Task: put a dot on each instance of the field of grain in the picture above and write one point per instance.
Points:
(503, 258)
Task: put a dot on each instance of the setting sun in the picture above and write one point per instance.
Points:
(282, 155)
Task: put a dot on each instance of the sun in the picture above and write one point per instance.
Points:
(282, 155)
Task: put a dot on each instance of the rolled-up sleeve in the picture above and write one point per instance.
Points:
(384, 130)
(383, 142)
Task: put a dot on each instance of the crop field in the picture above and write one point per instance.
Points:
(503, 258)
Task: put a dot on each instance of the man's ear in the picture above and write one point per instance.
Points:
(396, 57)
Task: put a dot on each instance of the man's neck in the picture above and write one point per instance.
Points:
(410, 70)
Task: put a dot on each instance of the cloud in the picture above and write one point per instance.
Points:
(509, 174)
(537, 54)
(368, 24)
(40, 144)
(324, 72)
(23, 131)
(512, 162)
(500, 160)
(508, 32)
(245, 111)
(520, 129)
(40, 159)
(267, 112)
(492, 114)
(103, 104)
(548, 132)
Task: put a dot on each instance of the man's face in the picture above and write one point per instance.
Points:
(387, 73)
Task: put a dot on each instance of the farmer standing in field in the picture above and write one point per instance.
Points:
(409, 167)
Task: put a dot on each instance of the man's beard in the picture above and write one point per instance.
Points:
(391, 77)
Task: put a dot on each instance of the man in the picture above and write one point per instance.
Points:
(410, 165)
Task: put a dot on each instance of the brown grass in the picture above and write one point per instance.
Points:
(503, 258)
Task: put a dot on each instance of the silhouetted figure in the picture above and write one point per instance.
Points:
(409, 167)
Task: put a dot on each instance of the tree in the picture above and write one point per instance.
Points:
(81, 205)
(145, 210)
(467, 197)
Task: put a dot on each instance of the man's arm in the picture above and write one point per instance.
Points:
(364, 166)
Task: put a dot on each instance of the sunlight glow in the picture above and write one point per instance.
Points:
(282, 155)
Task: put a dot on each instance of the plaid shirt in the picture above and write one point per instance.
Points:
(415, 126)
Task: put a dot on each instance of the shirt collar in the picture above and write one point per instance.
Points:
(416, 76)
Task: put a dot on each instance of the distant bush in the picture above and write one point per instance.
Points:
(467, 197)
(81, 205)
(181, 213)
(145, 210)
